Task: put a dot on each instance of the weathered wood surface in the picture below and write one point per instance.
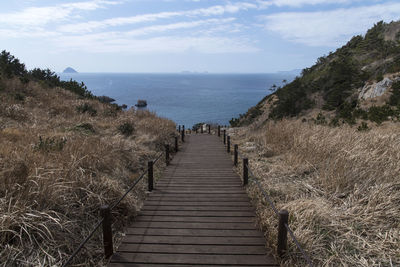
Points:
(197, 215)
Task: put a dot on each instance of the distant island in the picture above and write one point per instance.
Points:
(69, 70)
(193, 72)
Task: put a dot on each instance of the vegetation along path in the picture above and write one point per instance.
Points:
(198, 214)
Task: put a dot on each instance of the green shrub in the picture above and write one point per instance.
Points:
(379, 77)
(2, 86)
(380, 114)
(19, 97)
(363, 127)
(197, 126)
(234, 122)
(11, 66)
(24, 79)
(345, 111)
(47, 76)
(395, 97)
(126, 128)
(50, 144)
(334, 122)
(116, 107)
(87, 108)
(320, 120)
(86, 128)
(360, 113)
(77, 88)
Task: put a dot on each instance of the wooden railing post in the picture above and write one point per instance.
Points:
(224, 137)
(150, 175)
(245, 171)
(179, 128)
(228, 145)
(183, 136)
(107, 231)
(219, 131)
(176, 144)
(282, 232)
(167, 154)
(209, 129)
(235, 156)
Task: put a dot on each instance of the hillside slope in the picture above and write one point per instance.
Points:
(340, 183)
(63, 154)
(360, 81)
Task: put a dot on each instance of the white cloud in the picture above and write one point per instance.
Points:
(217, 10)
(39, 16)
(194, 40)
(111, 42)
(176, 26)
(301, 3)
(329, 28)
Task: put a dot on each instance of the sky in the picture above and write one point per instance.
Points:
(219, 36)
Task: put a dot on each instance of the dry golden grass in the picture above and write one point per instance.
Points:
(56, 171)
(340, 186)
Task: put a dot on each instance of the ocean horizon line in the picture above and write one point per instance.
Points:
(184, 73)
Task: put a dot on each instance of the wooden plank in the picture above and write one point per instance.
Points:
(196, 203)
(196, 208)
(192, 249)
(194, 232)
(196, 225)
(197, 190)
(222, 193)
(194, 219)
(198, 199)
(194, 240)
(193, 259)
(199, 213)
(127, 264)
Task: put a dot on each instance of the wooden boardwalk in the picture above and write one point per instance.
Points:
(197, 215)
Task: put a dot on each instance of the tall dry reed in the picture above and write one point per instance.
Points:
(340, 186)
(58, 165)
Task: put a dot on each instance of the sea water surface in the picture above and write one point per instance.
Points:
(186, 99)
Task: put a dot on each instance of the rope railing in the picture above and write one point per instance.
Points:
(264, 193)
(105, 210)
(283, 215)
(82, 244)
(129, 190)
(305, 256)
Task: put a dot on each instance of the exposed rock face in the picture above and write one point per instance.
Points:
(375, 89)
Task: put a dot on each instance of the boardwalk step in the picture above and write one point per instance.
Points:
(191, 259)
(197, 215)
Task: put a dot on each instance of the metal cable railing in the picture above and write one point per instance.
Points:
(108, 209)
(266, 197)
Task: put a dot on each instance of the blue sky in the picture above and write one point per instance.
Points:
(177, 35)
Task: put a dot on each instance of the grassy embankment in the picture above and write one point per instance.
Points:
(341, 187)
(61, 157)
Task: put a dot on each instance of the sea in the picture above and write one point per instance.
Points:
(185, 98)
